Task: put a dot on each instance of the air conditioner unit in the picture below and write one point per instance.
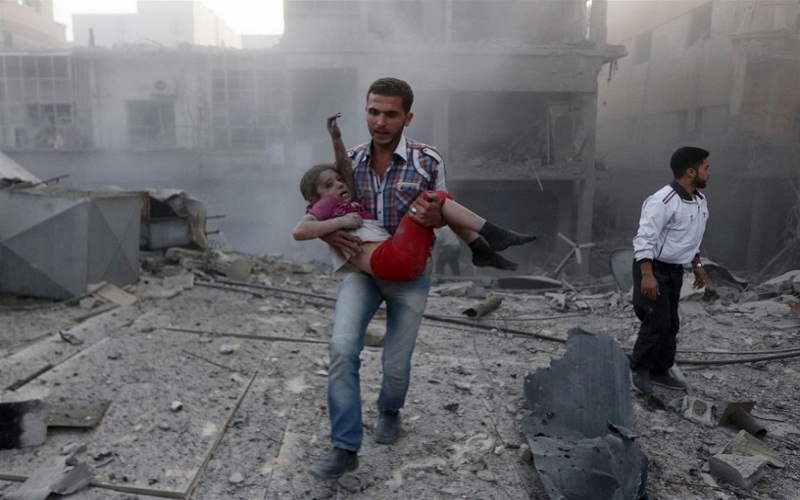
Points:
(163, 88)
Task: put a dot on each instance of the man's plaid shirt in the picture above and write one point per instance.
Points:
(415, 168)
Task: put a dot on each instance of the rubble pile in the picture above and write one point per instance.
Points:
(207, 379)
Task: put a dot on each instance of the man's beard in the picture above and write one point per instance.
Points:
(700, 183)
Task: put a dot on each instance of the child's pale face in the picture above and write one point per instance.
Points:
(330, 183)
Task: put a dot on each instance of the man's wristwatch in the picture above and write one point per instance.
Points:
(699, 264)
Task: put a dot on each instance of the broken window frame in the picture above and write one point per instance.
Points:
(247, 103)
(30, 85)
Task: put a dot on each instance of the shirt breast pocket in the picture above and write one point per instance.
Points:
(405, 194)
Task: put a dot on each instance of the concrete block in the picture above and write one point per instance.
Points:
(695, 409)
(746, 444)
(23, 418)
(738, 470)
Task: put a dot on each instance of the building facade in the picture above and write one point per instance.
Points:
(507, 90)
(28, 25)
(723, 75)
(168, 23)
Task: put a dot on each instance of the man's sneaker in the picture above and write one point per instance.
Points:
(640, 378)
(334, 464)
(668, 381)
(387, 430)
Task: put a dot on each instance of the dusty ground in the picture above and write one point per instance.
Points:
(253, 419)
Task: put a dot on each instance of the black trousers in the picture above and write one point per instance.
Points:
(656, 342)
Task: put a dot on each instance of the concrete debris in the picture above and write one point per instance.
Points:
(115, 294)
(62, 475)
(23, 418)
(763, 308)
(695, 409)
(452, 289)
(785, 283)
(557, 300)
(239, 270)
(572, 301)
(182, 281)
(175, 406)
(722, 276)
(737, 470)
(476, 292)
(746, 444)
(709, 480)
(688, 292)
(63, 412)
(529, 283)
(462, 385)
(227, 349)
(236, 478)
(89, 302)
(73, 448)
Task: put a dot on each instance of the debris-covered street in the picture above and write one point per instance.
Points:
(184, 185)
(215, 388)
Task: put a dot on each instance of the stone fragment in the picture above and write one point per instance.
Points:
(737, 470)
(695, 409)
(239, 270)
(746, 444)
(62, 475)
(236, 478)
(23, 418)
(183, 281)
(176, 406)
(226, 349)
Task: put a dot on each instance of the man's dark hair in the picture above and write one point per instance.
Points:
(685, 158)
(308, 183)
(393, 87)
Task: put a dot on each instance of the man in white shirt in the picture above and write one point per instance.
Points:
(671, 229)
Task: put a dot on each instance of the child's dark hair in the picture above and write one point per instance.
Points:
(308, 183)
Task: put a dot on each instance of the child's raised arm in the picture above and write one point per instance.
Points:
(341, 159)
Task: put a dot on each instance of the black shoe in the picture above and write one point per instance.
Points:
(387, 430)
(640, 378)
(668, 381)
(334, 464)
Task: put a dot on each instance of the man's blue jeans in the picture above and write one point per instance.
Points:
(360, 296)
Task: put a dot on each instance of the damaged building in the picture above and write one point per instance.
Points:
(507, 90)
(722, 75)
